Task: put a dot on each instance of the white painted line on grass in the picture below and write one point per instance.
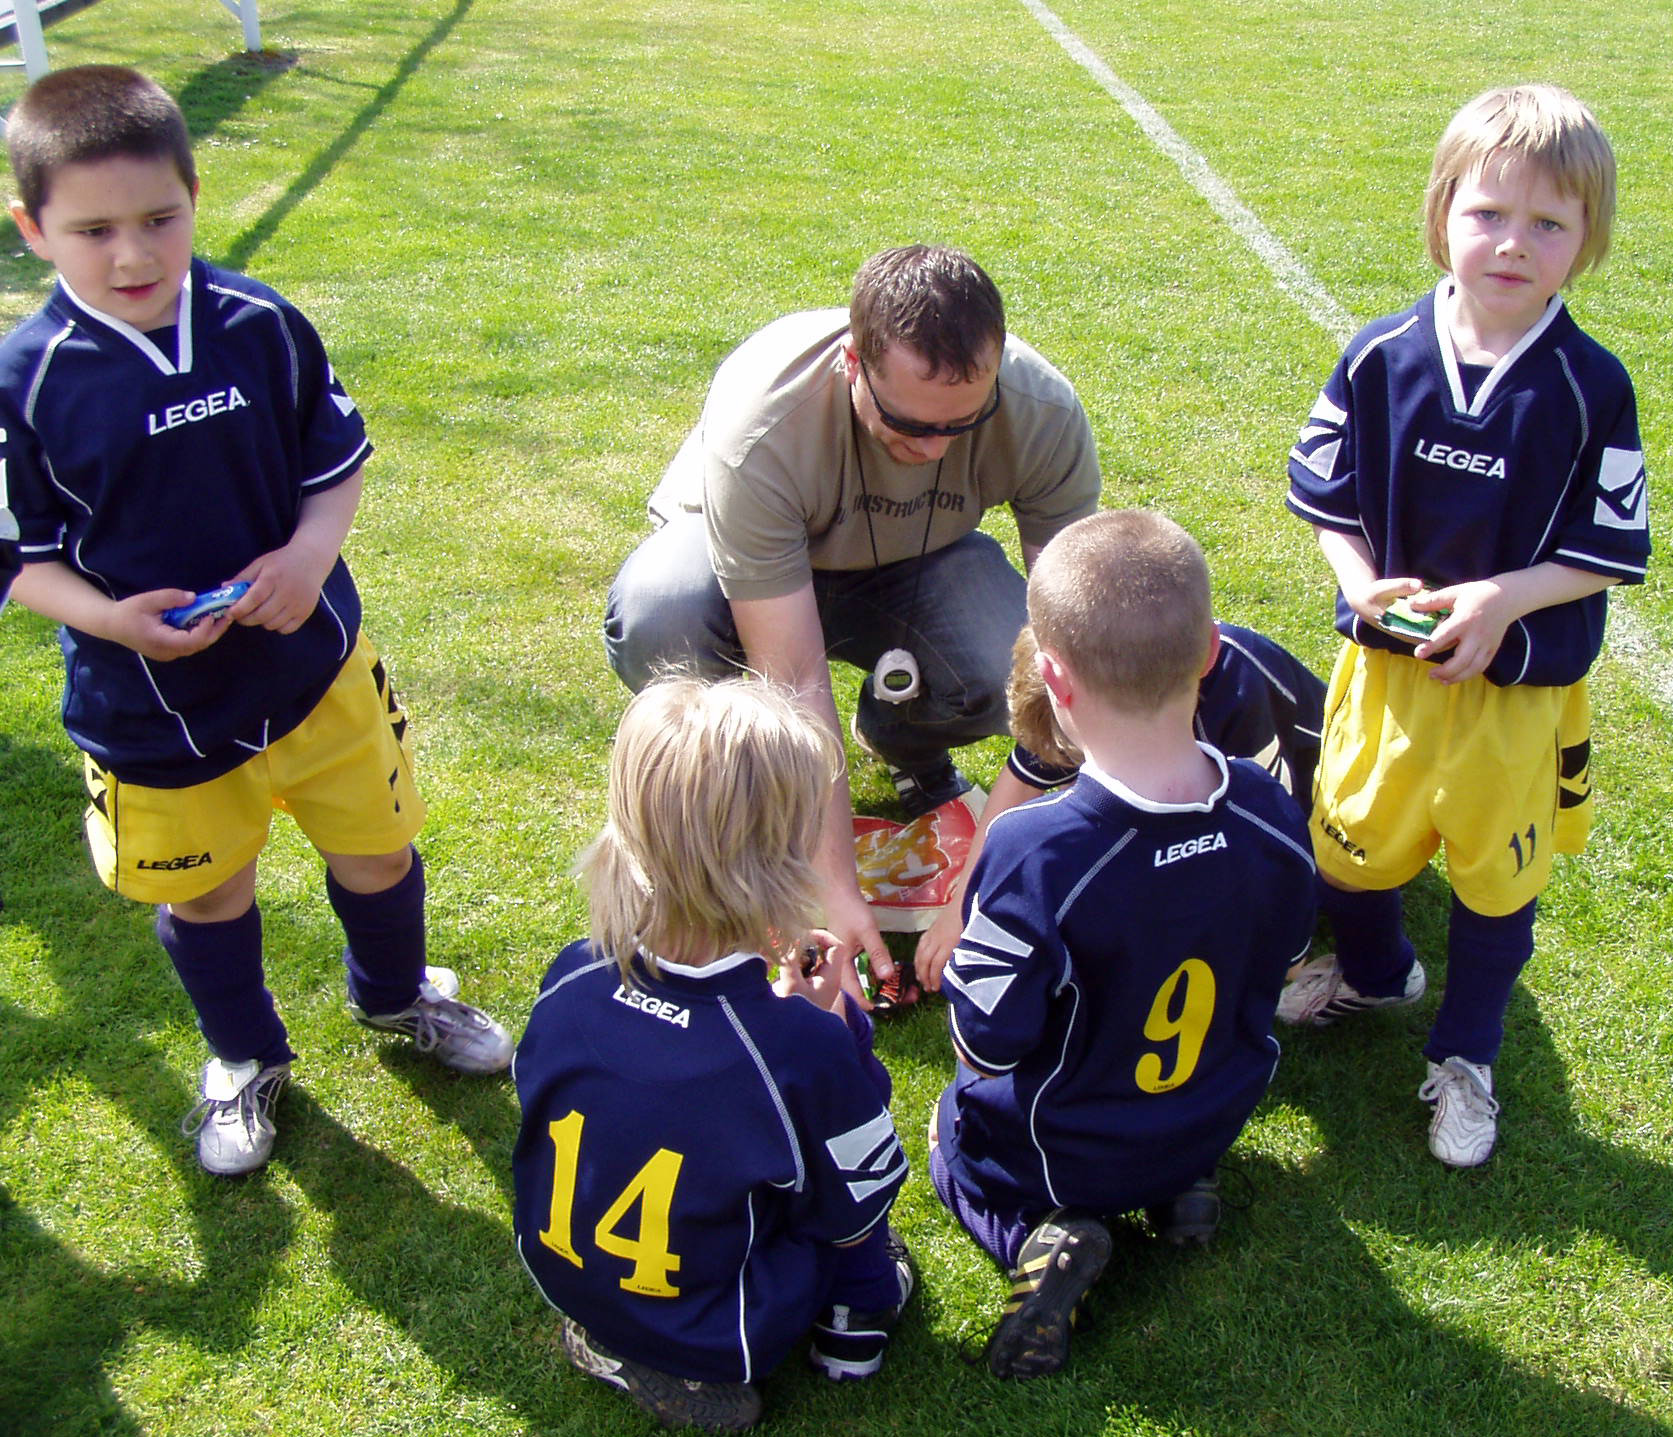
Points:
(1292, 276)
(1629, 640)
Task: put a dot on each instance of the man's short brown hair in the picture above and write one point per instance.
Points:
(936, 301)
(1122, 597)
(88, 113)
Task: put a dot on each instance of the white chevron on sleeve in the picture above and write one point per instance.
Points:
(982, 929)
(869, 1156)
(984, 992)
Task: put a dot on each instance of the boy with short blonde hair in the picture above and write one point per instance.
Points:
(169, 428)
(748, 1131)
(1125, 941)
(1475, 462)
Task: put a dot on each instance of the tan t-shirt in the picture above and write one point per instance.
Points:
(786, 478)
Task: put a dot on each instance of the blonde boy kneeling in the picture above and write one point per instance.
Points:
(706, 1168)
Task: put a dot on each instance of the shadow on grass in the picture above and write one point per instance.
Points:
(1298, 1320)
(65, 1317)
(1293, 1323)
(447, 1276)
(239, 253)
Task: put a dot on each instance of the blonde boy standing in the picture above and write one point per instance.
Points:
(1476, 456)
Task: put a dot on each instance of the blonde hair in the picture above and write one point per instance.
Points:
(1033, 723)
(717, 794)
(1545, 126)
(1122, 597)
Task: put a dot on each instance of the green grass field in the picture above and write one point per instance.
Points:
(528, 231)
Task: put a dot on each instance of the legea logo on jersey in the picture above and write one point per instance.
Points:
(1207, 843)
(655, 1007)
(1450, 457)
(217, 401)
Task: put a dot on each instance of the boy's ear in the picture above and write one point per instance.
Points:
(1213, 650)
(1059, 682)
(30, 231)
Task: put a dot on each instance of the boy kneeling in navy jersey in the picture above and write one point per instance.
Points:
(705, 1168)
(1125, 942)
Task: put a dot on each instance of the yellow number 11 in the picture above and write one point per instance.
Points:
(652, 1187)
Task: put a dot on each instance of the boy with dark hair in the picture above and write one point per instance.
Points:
(170, 428)
(1125, 941)
(1475, 458)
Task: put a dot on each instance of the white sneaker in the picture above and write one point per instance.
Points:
(1465, 1125)
(1318, 995)
(464, 1038)
(234, 1122)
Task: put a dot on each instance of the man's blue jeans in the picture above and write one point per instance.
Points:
(957, 610)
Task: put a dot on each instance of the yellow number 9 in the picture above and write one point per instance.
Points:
(1195, 1011)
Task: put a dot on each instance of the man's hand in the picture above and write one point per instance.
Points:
(848, 918)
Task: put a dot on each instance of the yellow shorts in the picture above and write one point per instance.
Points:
(344, 773)
(1500, 775)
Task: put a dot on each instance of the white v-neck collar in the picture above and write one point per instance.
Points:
(182, 362)
(1445, 298)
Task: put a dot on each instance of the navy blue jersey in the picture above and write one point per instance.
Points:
(9, 561)
(1541, 463)
(172, 459)
(691, 1148)
(1257, 701)
(1115, 984)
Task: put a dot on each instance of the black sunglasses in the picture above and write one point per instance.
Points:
(914, 430)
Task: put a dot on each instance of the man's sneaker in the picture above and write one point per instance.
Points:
(927, 790)
(920, 790)
(673, 1401)
(1193, 1216)
(462, 1037)
(850, 1344)
(1318, 995)
(1465, 1125)
(234, 1122)
(1057, 1263)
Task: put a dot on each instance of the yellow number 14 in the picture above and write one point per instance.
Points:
(652, 1187)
